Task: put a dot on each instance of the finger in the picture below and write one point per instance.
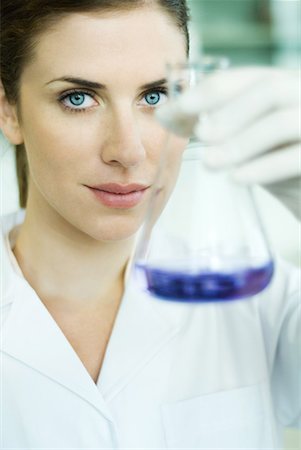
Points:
(278, 129)
(220, 87)
(216, 89)
(259, 100)
(271, 168)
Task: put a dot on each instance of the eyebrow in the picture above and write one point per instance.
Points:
(94, 85)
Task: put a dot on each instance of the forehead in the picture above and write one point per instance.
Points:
(104, 47)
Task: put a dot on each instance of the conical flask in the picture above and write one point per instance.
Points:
(205, 242)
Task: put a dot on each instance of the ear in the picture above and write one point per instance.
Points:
(9, 122)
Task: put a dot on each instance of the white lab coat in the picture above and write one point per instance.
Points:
(174, 376)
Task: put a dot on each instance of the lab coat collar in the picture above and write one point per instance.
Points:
(31, 336)
(143, 327)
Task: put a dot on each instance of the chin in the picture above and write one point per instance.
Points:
(117, 230)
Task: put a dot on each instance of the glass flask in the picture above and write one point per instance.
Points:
(204, 240)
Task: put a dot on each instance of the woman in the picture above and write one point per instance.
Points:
(85, 363)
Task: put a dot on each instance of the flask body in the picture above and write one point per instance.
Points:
(207, 243)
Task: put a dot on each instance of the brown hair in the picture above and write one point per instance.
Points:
(22, 21)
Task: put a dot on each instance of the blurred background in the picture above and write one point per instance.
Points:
(261, 32)
(249, 32)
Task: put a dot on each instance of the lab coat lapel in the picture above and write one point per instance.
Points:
(144, 325)
(31, 335)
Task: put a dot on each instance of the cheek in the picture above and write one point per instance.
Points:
(53, 136)
(58, 149)
(160, 143)
(171, 165)
(173, 157)
(164, 152)
(168, 174)
(176, 147)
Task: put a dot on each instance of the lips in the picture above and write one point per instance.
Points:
(115, 188)
(119, 196)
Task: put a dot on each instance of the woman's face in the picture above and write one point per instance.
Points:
(88, 101)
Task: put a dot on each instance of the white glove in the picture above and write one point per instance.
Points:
(250, 119)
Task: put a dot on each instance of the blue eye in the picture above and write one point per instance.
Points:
(153, 98)
(77, 99)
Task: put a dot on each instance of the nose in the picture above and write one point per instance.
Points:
(123, 146)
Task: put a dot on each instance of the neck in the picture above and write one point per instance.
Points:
(65, 265)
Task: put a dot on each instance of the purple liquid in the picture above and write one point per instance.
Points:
(205, 285)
